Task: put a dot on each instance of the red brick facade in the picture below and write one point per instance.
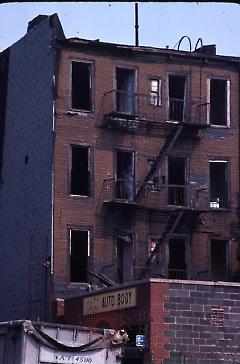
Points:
(201, 223)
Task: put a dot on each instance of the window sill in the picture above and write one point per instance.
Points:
(219, 126)
(81, 113)
(81, 197)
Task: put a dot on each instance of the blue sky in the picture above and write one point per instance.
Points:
(161, 23)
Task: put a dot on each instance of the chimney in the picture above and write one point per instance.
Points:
(38, 19)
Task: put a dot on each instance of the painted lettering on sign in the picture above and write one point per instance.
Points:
(72, 359)
(109, 301)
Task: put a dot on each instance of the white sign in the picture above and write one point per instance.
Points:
(92, 357)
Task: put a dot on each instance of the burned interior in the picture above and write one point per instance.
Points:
(81, 86)
(218, 184)
(125, 91)
(80, 171)
(79, 255)
(219, 260)
(125, 175)
(177, 98)
(218, 102)
(177, 267)
(124, 257)
(176, 181)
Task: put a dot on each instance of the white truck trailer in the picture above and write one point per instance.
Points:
(26, 342)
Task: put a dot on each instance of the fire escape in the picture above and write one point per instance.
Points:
(177, 204)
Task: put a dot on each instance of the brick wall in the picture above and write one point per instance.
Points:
(81, 129)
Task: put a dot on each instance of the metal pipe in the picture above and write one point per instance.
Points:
(136, 25)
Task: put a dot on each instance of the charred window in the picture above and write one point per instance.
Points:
(218, 184)
(177, 268)
(153, 184)
(125, 175)
(80, 171)
(125, 257)
(218, 259)
(79, 255)
(125, 94)
(177, 97)
(81, 86)
(176, 181)
(219, 102)
(155, 92)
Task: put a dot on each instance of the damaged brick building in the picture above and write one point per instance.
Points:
(118, 163)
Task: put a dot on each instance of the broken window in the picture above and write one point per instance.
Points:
(79, 255)
(219, 259)
(81, 86)
(125, 175)
(218, 184)
(177, 98)
(153, 184)
(125, 257)
(155, 92)
(125, 94)
(177, 268)
(176, 181)
(80, 171)
(219, 101)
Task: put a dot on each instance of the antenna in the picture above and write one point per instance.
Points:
(136, 25)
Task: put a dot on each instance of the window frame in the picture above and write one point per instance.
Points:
(228, 255)
(91, 87)
(90, 170)
(187, 95)
(226, 161)
(89, 250)
(158, 93)
(228, 102)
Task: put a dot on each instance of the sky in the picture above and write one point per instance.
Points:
(161, 24)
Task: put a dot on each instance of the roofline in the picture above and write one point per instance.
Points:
(78, 43)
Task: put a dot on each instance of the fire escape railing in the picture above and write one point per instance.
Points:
(126, 109)
(154, 196)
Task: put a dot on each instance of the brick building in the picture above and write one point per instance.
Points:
(118, 163)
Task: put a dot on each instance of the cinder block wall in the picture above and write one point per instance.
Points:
(203, 323)
(26, 189)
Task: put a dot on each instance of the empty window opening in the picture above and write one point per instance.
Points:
(125, 257)
(125, 94)
(125, 175)
(177, 96)
(79, 255)
(177, 268)
(218, 102)
(155, 92)
(218, 184)
(176, 181)
(219, 259)
(81, 86)
(80, 171)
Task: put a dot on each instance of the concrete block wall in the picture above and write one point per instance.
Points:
(26, 190)
(203, 323)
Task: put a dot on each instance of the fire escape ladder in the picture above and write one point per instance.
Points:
(173, 219)
(167, 147)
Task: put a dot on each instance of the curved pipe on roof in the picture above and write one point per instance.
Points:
(180, 41)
